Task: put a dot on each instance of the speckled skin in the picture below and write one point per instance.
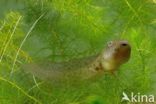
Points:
(115, 54)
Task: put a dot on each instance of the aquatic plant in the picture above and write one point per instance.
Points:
(59, 30)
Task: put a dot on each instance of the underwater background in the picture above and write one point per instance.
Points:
(59, 30)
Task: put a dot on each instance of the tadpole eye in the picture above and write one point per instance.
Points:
(124, 44)
(109, 44)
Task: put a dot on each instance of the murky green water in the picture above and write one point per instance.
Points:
(33, 31)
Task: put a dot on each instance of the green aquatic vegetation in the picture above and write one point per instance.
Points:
(11, 34)
(59, 30)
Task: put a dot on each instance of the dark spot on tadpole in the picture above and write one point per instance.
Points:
(99, 67)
